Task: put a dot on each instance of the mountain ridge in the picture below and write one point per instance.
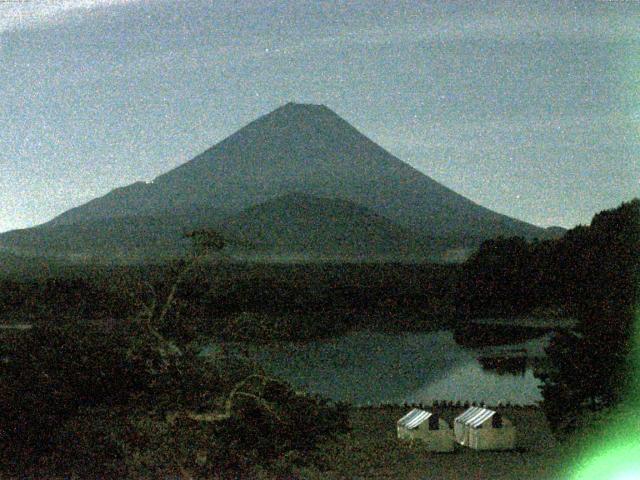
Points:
(308, 149)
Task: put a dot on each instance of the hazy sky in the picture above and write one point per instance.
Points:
(531, 109)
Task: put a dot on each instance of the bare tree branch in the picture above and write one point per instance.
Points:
(229, 403)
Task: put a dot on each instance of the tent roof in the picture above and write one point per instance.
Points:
(475, 416)
(414, 418)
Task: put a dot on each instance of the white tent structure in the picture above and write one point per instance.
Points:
(433, 432)
(484, 429)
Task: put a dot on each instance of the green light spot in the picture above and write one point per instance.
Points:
(613, 451)
(621, 463)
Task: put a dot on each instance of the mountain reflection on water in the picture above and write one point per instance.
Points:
(369, 367)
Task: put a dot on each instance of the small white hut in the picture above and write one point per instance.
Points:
(433, 432)
(484, 429)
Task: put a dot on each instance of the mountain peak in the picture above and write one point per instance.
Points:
(302, 106)
(302, 109)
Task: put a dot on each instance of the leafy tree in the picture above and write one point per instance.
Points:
(498, 279)
(592, 274)
(590, 365)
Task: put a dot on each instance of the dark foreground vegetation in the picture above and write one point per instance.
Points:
(109, 381)
(241, 301)
(123, 402)
(591, 274)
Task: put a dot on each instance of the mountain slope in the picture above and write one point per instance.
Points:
(115, 237)
(294, 223)
(306, 149)
(302, 223)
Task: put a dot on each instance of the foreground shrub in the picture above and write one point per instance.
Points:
(119, 402)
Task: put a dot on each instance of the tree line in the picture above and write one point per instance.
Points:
(591, 274)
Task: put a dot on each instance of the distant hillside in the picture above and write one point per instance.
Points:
(294, 223)
(126, 237)
(298, 222)
(12, 265)
(554, 232)
(306, 149)
(109, 237)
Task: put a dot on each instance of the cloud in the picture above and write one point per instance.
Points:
(21, 14)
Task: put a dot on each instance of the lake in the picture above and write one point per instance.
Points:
(370, 367)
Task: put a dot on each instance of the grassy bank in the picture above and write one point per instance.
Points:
(372, 451)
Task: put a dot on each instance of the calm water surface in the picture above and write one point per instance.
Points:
(368, 367)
